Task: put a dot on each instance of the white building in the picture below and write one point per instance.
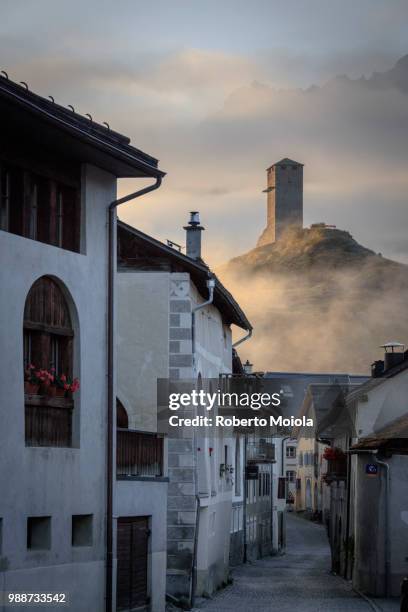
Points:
(379, 495)
(188, 338)
(58, 178)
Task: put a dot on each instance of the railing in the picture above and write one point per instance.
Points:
(48, 421)
(138, 454)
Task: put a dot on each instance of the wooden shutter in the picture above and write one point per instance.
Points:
(16, 201)
(282, 488)
(43, 210)
(70, 221)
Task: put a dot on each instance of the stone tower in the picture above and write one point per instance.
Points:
(285, 199)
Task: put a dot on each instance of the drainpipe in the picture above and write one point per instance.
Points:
(244, 339)
(244, 513)
(193, 582)
(211, 287)
(282, 453)
(348, 503)
(112, 255)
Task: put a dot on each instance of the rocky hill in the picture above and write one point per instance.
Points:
(319, 301)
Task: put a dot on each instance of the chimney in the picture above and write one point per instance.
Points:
(193, 238)
(393, 355)
(248, 367)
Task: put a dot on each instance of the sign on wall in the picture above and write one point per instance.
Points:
(371, 469)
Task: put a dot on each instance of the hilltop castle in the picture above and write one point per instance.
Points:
(285, 199)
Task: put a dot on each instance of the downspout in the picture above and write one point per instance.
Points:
(193, 582)
(193, 585)
(282, 453)
(211, 287)
(244, 513)
(244, 339)
(348, 504)
(112, 256)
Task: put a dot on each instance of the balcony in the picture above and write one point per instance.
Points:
(336, 469)
(48, 421)
(138, 454)
(260, 451)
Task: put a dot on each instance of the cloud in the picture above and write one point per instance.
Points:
(216, 119)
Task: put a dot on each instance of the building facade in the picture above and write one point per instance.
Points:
(191, 318)
(58, 178)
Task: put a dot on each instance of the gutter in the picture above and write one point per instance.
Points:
(112, 256)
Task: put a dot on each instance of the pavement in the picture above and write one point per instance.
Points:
(299, 581)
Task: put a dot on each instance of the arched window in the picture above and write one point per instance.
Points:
(48, 346)
(48, 333)
(122, 420)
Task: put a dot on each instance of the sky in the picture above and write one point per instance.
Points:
(218, 91)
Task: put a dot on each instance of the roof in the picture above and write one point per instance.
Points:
(322, 398)
(79, 137)
(393, 436)
(296, 385)
(199, 271)
(372, 383)
(286, 162)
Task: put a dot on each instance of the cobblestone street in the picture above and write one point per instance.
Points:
(298, 581)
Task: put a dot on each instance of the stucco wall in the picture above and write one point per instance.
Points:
(371, 529)
(142, 345)
(138, 498)
(57, 482)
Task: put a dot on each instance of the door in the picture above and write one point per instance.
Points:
(132, 552)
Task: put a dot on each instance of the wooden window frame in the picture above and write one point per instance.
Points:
(48, 342)
(37, 206)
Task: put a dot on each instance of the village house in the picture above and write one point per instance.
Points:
(367, 503)
(187, 338)
(312, 492)
(254, 522)
(59, 175)
(293, 387)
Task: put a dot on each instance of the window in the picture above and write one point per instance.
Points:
(4, 199)
(282, 488)
(39, 207)
(291, 475)
(291, 452)
(300, 458)
(48, 345)
(122, 419)
(82, 530)
(39, 532)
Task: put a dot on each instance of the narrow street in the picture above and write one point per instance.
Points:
(297, 581)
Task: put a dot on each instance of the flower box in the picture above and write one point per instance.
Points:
(31, 388)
